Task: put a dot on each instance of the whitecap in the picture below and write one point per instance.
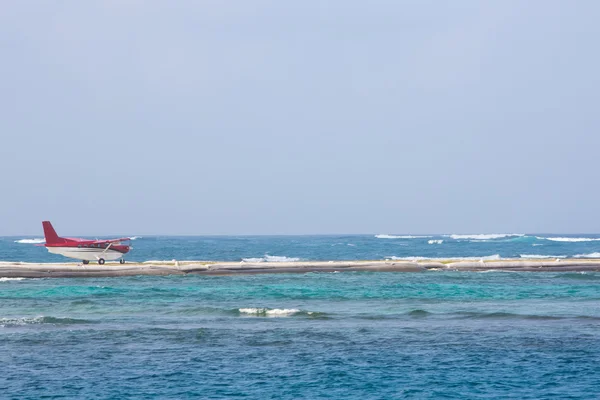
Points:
(12, 322)
(31, 241)
(280, 258)
(486, 236)
(11, 279)
(268, 312)
(591, 255)
(539, 256)
(253, 260)
(135, 237)
(568, 239)
(384, 236)
(4, 322)
(418, 258)
(434, 241)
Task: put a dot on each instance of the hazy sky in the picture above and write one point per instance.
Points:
(285, 117)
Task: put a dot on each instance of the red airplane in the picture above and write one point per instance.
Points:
(84, 249)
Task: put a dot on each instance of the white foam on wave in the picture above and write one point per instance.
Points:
(268, 312)
(568, 239)
(591, 255)
(415, 258)
(269, 258)
(253, 259)
(419, 258)
(384, 236)
(485, 236)
(435, 241)
(19, 321)
(11, 322)
(135, 237)
(280, 258)
(31, 241)
(539, 256)
(10, 279)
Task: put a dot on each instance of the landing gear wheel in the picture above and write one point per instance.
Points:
(121, 261)
(85, 262)
(101, 261)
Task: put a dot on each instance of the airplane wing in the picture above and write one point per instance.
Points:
(117, 240)
(113, 240)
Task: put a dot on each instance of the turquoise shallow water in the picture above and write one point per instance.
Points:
(318, 335)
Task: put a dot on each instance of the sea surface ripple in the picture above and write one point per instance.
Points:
(353, 335)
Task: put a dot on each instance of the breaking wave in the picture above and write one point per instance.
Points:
(268, 258)
(490, 236)
(10, 322)
(591, 255)
(435, 241)
(539, 256)
(383, 236)
(568, 239)
(10, 279)
(253, 259)
(419, 258)
(31, 241)
(267, 312)
(278, 312)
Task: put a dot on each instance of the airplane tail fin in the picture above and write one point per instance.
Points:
(50, 233)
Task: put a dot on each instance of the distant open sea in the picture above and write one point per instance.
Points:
(330, 247)
(350, 335)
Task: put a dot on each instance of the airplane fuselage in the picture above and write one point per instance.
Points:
(85, 249)
(89, 251)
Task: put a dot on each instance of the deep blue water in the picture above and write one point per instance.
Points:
(351, 335)
(330, 247)
(354, 335)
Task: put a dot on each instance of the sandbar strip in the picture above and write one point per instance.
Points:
(75, 270)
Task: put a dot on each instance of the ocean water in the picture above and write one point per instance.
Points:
(351, 335)
(330, 247)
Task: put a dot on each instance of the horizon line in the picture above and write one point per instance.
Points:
(312, 234)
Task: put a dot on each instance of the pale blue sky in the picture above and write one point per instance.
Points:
(281, 117)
